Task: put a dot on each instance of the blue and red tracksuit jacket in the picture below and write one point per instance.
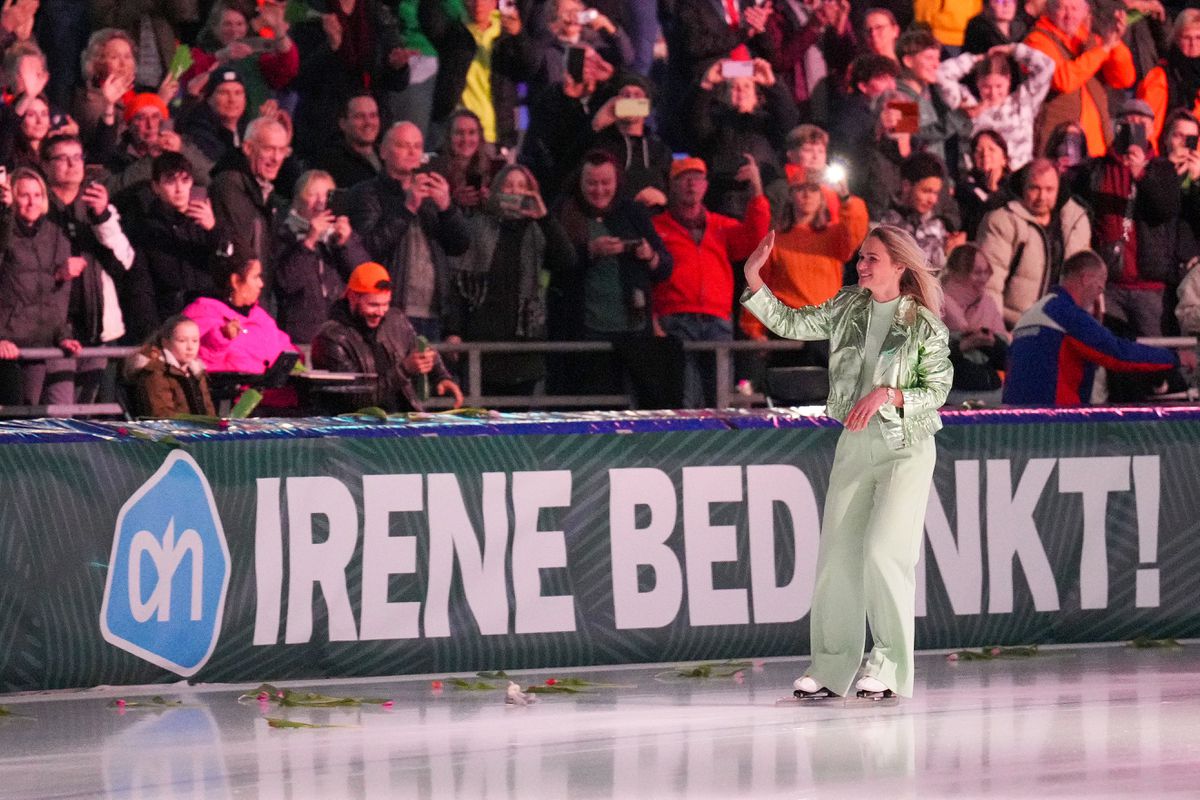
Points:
(1056, 348)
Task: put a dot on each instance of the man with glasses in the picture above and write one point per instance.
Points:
(82, 209)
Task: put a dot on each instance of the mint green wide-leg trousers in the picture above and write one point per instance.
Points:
(871, 535)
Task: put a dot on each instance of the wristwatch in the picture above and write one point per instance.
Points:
(891, 396)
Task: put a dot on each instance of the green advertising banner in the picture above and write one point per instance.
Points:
(240, 559)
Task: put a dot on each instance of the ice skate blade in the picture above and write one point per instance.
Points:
(820, 694)
(886, 694)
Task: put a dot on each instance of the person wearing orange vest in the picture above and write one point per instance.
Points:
(1175, 82)
(1086, 66)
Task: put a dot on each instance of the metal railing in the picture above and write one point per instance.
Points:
(726, 395)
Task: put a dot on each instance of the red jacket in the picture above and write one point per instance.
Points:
(702, 281)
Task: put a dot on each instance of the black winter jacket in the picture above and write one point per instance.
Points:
(379, 215)
(343, 344)
(176, 253)
(309, 282)
(33, 299)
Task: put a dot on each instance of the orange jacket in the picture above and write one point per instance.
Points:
(1153, 89)
(702, 280)
(1116, 69)
(805, 268)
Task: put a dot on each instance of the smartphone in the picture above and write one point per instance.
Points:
(910, 115)
(197, 194)
(632, 108)
(575, 57)
(1128, 136)
(57, 121)
(258, 44)
(516, 202)
(100, 73)
(588, 16)
(736, 69)
(475, 181)
(1191, 142)
(338, 202)
(507, 6)
(93, 173)
(631, 244)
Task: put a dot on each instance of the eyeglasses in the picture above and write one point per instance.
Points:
(69, 158)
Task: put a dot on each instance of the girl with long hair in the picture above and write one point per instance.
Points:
(889, 372)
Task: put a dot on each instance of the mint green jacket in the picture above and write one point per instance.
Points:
(915, 356)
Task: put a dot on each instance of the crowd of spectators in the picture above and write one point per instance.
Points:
(219, 182)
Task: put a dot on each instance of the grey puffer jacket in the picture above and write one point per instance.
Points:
(33, 300)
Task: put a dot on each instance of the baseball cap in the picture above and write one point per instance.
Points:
(369, 277)
(223, 76)
(1134, 107)
(689, 164)
(141, 102)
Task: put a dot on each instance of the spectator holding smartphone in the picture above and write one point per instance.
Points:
(1136, 206)
(174, 233)
(619, 255)
(79, 204)
(738, 109)
(315, 252)
(517, 250)
(621, 130)
(232, 39)
(482, 55)
(408, 222)
(467, 161)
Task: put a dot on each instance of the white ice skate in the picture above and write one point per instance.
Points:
(808, 689)
(873, 689)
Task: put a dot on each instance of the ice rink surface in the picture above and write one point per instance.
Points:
(1099, 722)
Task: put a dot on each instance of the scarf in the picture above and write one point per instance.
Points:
(472, 271)
(1183, 79)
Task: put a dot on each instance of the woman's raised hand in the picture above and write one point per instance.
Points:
(757, 259)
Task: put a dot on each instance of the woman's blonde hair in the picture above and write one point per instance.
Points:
(28, 174)
(95, 46)
(919, 280)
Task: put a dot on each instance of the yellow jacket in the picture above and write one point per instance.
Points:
(948, 18)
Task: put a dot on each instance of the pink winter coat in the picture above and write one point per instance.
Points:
(253, 350)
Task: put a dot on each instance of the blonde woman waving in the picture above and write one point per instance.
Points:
(889, 372)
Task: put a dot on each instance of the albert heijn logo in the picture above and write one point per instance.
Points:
(169, 570)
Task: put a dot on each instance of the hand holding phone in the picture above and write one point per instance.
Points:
(731, 69)
(574, 63)
(910, 116)
(632, 108)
